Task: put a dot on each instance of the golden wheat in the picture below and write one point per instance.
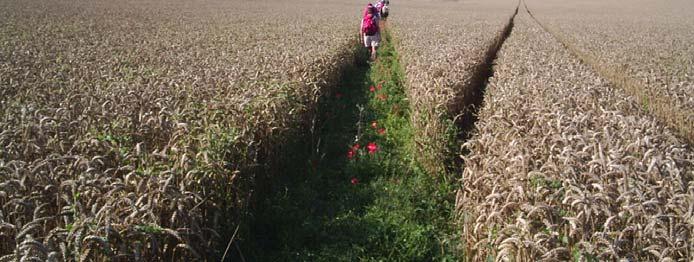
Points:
(441, 45)
(564, 166)
(643, 49)
(132, 130)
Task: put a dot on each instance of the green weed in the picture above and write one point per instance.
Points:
(371, 202)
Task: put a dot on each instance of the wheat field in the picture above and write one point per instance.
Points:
(151, 130)
(567, 166)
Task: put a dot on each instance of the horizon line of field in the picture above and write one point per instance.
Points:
(658, 106)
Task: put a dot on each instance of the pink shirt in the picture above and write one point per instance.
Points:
(375, 18)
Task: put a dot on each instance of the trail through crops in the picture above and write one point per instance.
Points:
(360, 195)
(473, 92)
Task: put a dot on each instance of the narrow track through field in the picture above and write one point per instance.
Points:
(344, 202)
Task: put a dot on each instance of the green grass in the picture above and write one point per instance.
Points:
(396, 212)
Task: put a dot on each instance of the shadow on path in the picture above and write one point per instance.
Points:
(358, 195)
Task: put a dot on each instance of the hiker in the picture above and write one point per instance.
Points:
(385, 8)
(379, 5)
(369, 30)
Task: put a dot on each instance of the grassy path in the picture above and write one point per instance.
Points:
(360, 195)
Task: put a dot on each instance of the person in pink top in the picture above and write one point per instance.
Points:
(369, 30)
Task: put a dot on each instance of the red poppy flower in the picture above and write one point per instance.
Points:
(350, 154)
(374, 125)
(355, 147)
(379, 87)
(354, 181)
(381, 131)
(372, 147)
(372, 88)
(338, 95)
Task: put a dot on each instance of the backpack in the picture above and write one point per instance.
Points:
(369, 27)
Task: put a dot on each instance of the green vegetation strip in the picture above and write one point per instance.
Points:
(360, 195)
